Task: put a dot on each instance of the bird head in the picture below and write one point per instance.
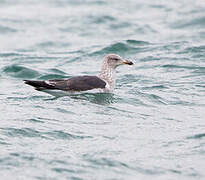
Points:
(114, 60)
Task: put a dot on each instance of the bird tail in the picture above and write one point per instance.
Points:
(39, 85)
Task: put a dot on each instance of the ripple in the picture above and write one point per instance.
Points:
(197, 52)
(5, 29)
(153, 98)
(198, 22)
(54, 70)
(31, 133)
(96, 98)
(64, 135)
(119, 48)
(64, 111)
(197, 136)
(173, 66)
(20, 71)
(9, 162)
(35, 120)
(4, 143)
(52, 44)
(62, 170)
(115, 164)
(101, 19)
(137, 42)
(10, 54)
(105, 162)
(24, 132)
(52, 76)
(195, 49)
(155, 87)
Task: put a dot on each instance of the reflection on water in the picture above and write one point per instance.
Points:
(97, 98)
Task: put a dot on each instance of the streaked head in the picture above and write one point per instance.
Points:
(114, 60)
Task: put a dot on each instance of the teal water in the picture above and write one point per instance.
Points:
(152, 127)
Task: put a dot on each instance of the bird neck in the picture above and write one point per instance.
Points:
(108, 75)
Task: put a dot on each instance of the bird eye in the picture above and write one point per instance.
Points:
(115, 59)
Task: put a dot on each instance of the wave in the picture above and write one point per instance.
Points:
(5, 29)
(197, 136)
(28, 132)
(19, 71)
(129, 46)
(198, 22)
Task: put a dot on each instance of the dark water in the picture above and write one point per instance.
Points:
(152, 127)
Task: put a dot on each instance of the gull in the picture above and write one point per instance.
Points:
(104, 82)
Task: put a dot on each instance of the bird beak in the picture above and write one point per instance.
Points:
(127, 62)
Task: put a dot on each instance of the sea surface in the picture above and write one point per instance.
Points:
(151, 128)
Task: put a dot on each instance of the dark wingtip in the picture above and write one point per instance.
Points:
(31, 83)
(25, 81)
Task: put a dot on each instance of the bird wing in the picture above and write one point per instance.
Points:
(78, 83)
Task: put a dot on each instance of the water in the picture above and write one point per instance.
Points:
(152, 127)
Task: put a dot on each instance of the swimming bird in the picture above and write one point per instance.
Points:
(104, 82)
